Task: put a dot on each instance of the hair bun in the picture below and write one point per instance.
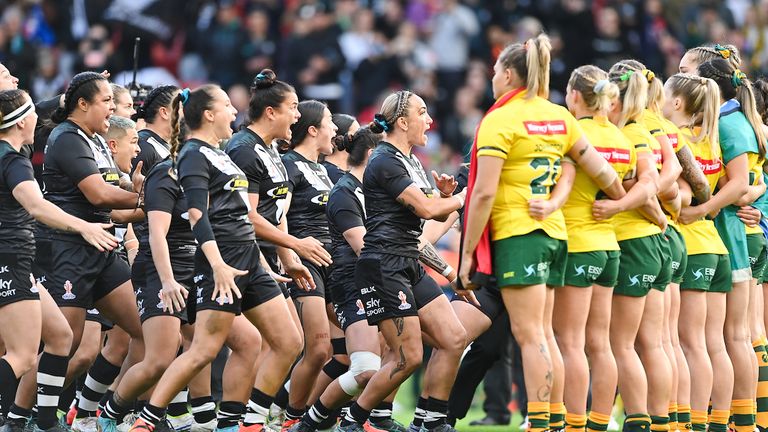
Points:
(342, 142)
(265, 79)
(379, 124)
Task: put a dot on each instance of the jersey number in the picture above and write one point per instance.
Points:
(542, 184)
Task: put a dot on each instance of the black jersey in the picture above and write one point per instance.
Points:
(16, 225)
(334, 172)
(390, 226)
(153, 150)
(265, 171)
(346, 210)
(162, 193)
(309, 185)
(204, 167)
(462, 178)
(71, 156)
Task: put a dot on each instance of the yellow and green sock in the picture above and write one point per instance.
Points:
(743, 419)
(597, 422)
(556, 416)
(538, 416)
(575, 422)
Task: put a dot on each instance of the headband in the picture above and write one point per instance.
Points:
(737, 78)
(184, 96)
(17, 115)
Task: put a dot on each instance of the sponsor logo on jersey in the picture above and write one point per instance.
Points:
(673, 140)
(367, 290)
(533, 269)
(321, 199)
(4, 269)
(709, 166)
(199, 295)
(160, 305)
(370, 304)
(404, 305)
(657, 156)
(111, 177)
(68, 295)
(614, 155)
(236, 184)
(278, 192)
(705, 272)
(5, 288)
(546, 127)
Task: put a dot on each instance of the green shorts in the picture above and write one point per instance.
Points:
(678, 253)
(597, 267)
(731, 230)
(756, 246)
(707, 272)
(529, 259)
(643, 266)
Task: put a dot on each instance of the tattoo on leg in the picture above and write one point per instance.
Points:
(545, 390)
(399, 324)
(400, 366)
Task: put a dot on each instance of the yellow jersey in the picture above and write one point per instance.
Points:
(631, 224)
(531, 135)
(659, 126)
(701, 236)
(585, 234)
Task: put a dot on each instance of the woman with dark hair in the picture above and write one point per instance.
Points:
(23, 298)
(336, 162)
(234, 293)
(308, 186)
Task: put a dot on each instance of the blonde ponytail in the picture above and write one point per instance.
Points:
(633, 91)
(746, 97)
(537, 58)
(596, 90)
(701, 101)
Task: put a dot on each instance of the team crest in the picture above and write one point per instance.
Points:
(360, 309)
(33, 288)
(404, 305)
(68, 295)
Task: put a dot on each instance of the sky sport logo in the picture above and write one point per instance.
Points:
(552, 127)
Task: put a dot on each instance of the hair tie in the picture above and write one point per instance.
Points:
(737, 78)
(184, 96)
(261, 76)
(625, 76)
(381, 121)
(649, 75)
(723, 51)
(600, 85)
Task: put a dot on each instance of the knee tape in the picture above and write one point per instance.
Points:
(360, 362)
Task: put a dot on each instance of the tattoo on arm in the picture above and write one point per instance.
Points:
(693, 175)
(411, 208)
(430, 257)
(126, 184)
(400, 366)
(399, 325)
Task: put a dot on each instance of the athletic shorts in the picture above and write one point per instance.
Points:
(93, 315)
(643, 266)
(319, 276)
(584, 269)
(756, 246)
(81, 275)
(393, 286)
(257, 287)
(489, 297)
(347, 304)
(678, 253)
(530, 259)
(16, 280)
(269, 251)
(707, 272)
(731, 230)
(147, 286)
(41, 266)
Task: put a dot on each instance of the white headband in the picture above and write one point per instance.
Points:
(17, 115)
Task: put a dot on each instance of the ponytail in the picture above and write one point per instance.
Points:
(746, 97)
(701, 101)
(633, 91)
(710, 116)
(597, 92)
(175, 125)
(357, 145)
(531, 63)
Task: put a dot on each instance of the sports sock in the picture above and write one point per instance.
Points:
(575, 422)
(538, 416)
(50, 382)
(258, 408)
(597, 422)
(101, 375)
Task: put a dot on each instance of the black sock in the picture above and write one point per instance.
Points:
(104, 399)
(258, 408)
(292, 413)
(8, 384)
(139, 405)
(50, 382)
(281, 398)
(100, 376)
(204, 409)
(152, 415)
(420, 413)
(437, 411)
(113, 410)
(356, 414)
(18, 413)
(66, 398)
(178, 406)
(316, 414)
(229, 414)
(381, 412)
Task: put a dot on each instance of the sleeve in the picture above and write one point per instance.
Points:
(149, 156)
(462, 178)
(575, 132)
(391, 175)
(732, 141)
(161, 193)
(344, 211)
(654, 126)
(491, 140)
(73, 157)
(194, 176)
(762, 202)
(249, 162)
(16, 169)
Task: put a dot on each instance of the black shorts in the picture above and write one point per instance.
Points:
(41, 267)
(269, 251)
(346, 302)
(93, 315)
(257, 287)
(319, 276)
(489, 297)
(147, 286)
(16, 280)
(393, 286)
(81, 275)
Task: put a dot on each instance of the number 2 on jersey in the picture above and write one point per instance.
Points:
(542, 184)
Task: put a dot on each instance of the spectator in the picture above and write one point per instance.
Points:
(259, 49)
(222, 46)
(610, 45)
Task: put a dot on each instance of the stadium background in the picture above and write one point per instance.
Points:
(351, 53)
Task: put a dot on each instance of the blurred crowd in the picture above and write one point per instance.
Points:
(351, 52)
